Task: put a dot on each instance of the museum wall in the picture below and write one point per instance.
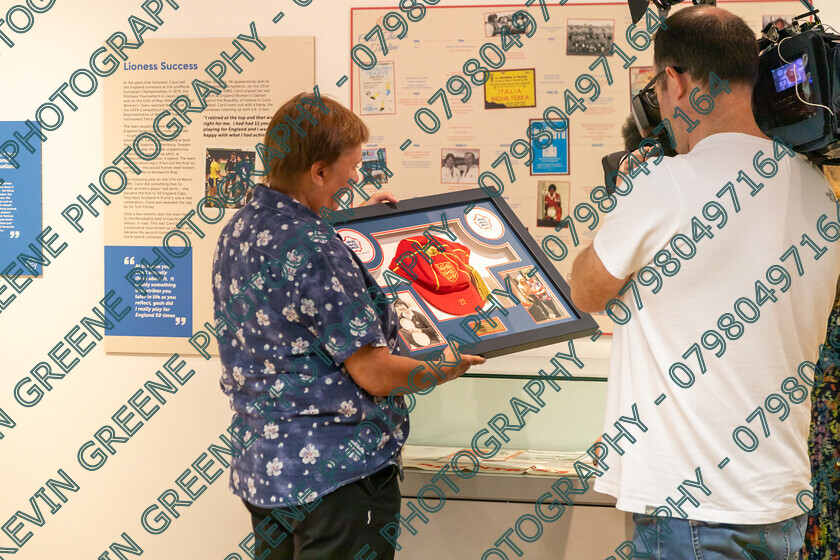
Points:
(49, 433)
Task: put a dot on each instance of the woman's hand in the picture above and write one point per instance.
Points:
(379, 372)
(456, 371)
(380, 196)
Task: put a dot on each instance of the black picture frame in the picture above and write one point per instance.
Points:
(575, 324)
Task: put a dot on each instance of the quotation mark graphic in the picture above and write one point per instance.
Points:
(14, 234)
(128, 260)
(180, 320)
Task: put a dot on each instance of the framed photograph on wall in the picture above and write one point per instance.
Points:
(462, 265)
(552, 199)
(589, 37)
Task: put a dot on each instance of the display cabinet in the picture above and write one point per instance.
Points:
(485, 506)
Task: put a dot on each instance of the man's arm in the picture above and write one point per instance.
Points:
(592, 286)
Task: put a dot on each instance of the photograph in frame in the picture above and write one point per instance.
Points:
(552, 202)
(458, 165)
(494, 22)
(589, 37)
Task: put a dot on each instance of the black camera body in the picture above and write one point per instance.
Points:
(797, 96)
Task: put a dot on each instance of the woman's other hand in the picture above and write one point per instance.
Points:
(456, 371)
(380, 196)
(378, 372)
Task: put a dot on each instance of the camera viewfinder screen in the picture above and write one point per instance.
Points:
(792, 102)
(789, 75)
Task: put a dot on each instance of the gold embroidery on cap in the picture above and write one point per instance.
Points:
(447, 269)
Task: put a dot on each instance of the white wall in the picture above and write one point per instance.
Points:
(48, 435)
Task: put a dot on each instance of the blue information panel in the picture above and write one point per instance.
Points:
(166, 309)
(554, 158)
(20, 197)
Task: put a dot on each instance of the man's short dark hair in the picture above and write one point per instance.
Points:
(704, 40)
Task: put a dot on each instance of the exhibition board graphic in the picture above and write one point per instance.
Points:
(20, 205)
(522, 81)
(473, 79)
(195, 169)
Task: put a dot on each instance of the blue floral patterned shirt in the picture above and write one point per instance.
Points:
(283, 380)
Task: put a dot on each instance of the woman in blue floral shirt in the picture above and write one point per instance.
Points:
(307, 357)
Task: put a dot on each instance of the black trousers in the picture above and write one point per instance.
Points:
(344, 522)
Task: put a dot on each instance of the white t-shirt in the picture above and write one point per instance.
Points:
(693, 427)
(447, 176)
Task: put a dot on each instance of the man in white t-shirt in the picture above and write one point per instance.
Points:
(742, 296)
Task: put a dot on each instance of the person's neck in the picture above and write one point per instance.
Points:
(735, 117)
(299, 193)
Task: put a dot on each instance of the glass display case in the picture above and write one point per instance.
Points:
(487, 505)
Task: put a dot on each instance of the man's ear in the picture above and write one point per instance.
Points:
(677, 81)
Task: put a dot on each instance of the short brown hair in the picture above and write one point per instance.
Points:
(704, 40)
(306, 129)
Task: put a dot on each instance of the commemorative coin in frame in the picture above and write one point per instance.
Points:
(461, 264)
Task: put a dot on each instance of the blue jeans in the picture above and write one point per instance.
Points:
(684, 539)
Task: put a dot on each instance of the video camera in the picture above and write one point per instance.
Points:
(796, 98)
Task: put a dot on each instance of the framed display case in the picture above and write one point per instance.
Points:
(462, 265)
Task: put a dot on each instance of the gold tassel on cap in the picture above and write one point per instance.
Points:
(478, 282)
